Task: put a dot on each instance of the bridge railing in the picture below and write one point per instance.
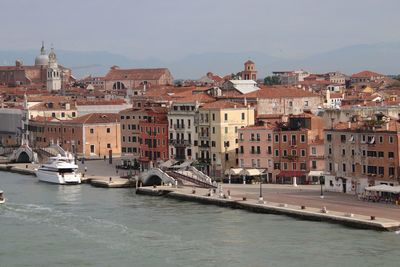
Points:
(202, 176)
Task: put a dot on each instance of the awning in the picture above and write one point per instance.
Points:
(233, 171)
(252, 172)
(384, 188)
(316, 173)
(291, 173)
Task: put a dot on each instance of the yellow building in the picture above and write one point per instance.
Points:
(218, 134)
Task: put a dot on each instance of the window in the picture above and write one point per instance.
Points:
(284, 138)
(276, 153)
(343, 152)
(314, 164)
(353, 168)
(108, 130)
(62, 114)
(269, 137)
(213, 130)
(391, 155)
(91, 148)
(302, 138)
(303, 153)
(243, 116)
(306, 103)
(91, 130)
(303, 166)
(313, 150)
(344, 167)
(53, 115)
(330, 166)
(381, 154)
(213, 116)
(285, 166)
(329, 137)
(226, 130)
(123, 126)
(226, 116)
(391, 171)
(108, 145)
(276, 138)
(381, 139)
(391, 139)
(213, 143)
(343, 138)
(269, 151)
(73, 114)
(381, 170)
(285, 153)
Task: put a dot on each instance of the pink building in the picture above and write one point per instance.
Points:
(255, 148)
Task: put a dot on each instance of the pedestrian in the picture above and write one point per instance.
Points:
(104, 157)
(110, 179)
(85, 169)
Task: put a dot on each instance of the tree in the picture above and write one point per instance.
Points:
(272, 80)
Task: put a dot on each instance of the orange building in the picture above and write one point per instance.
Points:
(93, 135)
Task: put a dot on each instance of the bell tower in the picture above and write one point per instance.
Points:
(250, 72)
(53, 73)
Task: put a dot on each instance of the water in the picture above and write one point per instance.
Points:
(50, 225)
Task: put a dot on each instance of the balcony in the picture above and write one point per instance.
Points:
(179, 127)
(204, 137)
(254, 139)
(203, 122)
(204, 145)
(180, 143)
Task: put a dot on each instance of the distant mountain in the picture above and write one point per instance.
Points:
(382, 57)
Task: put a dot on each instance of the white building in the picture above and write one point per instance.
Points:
(53, 73)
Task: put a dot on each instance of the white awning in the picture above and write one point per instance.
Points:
(252, 172)
(233, 171)
(316, 173)
(384, 188)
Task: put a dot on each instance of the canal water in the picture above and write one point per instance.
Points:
(50, 225)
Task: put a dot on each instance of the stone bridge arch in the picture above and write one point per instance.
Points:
(24, 154)
(156, 176)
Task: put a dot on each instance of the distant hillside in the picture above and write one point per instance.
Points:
(383, 57)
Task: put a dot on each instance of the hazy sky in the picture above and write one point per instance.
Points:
(169, 29)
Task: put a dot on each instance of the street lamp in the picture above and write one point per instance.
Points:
(320, 182)
(260, 199)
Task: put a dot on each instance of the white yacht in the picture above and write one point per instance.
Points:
(2, 199)
(59, 170)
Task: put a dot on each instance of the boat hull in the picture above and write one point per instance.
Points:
(56, 178)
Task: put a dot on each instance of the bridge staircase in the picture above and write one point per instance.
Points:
(191, 178)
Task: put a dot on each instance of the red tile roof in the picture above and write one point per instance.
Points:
(279, 92)
(97, 118)
(366, 73)
(222, 104)
(136, 74)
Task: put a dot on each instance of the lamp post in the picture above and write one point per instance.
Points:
(261, 199)
(320, 182)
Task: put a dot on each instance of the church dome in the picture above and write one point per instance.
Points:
(42, 59)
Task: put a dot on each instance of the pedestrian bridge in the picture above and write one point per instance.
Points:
(191, 176)
(156, 176)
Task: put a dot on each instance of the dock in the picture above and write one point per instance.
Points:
(301, 212)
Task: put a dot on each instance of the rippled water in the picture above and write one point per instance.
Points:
(50, 225)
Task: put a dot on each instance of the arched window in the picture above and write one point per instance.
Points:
(118, 85)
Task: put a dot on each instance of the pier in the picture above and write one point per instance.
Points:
(252, 205)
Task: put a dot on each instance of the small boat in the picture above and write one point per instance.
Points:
(2, 199)
(59, 170)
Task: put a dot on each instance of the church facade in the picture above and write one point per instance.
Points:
(38, 74)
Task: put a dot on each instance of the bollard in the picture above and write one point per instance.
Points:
(26, 166)
(303, 207)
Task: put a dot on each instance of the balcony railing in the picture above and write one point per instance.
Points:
(180, 142)
(179, 126)
(204, 137)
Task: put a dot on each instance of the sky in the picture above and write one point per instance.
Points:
(172, 29)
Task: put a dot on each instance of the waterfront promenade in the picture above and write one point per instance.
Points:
(302, 195)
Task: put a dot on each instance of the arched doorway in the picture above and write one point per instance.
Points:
(23, 158)
(153, 180)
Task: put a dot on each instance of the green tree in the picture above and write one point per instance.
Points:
(272, 80)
